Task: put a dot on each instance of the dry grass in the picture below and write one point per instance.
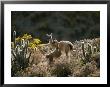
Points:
(79, 66)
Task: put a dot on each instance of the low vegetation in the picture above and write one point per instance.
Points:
(31, 58)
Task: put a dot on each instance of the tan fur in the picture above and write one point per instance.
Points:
(65, 47)
(54, 54)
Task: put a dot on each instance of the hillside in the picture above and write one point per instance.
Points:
(76, 25)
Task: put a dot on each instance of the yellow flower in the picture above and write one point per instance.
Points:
(17, 39)
(27, 37)
(32, 45)
(36, 41)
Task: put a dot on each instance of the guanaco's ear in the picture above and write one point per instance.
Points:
(51, 34)
(56, 41)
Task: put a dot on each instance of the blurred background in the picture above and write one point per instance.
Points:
(65, 25)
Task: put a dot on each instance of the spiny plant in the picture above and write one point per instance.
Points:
(20, 53)
(87, 55)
